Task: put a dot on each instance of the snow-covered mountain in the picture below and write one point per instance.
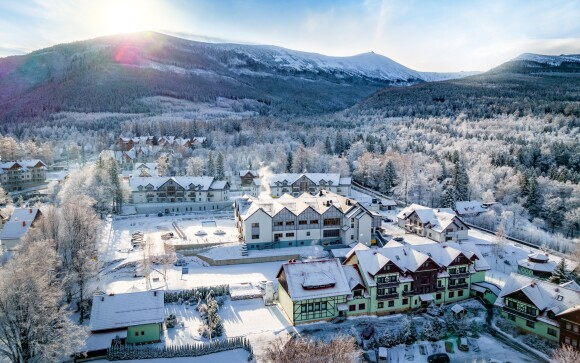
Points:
(552, 60)
(117, 73)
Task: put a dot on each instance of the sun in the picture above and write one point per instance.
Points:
(126, 16)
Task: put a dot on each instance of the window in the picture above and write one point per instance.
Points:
(405, 288)
(512, 304)
(302, 222)
(332, 221)
(308, 234)
(314, 221)
(552, 332)
(255, 236)
(392, 290)
(438, 297)
(380, 305)
(530, 310)
(255, 225)
(290, 234)
(352, 308)
(331, 233)
(323, 305)
(512, 317)
(357, 292)
(567, 340)
(380, 291)
(460, 293)
(381, 279)
(317, 306)
(361, 306)
(392, 278)
(277, 236)
(439, 283)
(462, 270)
(279, 224)
(310, 307)
(451, 295)
(452, 270)
(136, 333)
(568, 326)
(575, 328)
(462, 280)
(289, 223)
(405, 301)
(352, 236)
(391, 303)
(530, 324)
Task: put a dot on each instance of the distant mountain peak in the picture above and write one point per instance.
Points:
(553, 60)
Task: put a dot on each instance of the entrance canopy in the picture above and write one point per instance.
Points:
(426, 297)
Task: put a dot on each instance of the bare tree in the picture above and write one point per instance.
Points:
(566, 354)
(34, 326)
(168, 258)
(341, 349)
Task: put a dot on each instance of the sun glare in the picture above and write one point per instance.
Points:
(125, 16)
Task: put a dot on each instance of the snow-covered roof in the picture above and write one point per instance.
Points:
(244, 172)
(218, 185)
(314, 279)
(435, 219)
(125, 310)
(541, 262)
(484, 285)
(320, 179)
(408, 258)
(457, 308)
(320, 203)
(19, 223)
(22, 165)
(546, 296)
(199, 182)
(469, 207)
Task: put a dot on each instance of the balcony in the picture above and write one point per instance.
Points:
(522, 314)
(457, 286)
(388, 296)
(388, 283)
(459, 275)
(409, 293)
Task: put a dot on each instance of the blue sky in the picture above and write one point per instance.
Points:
(423, 35)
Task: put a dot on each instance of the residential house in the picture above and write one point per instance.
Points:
(436, 224)
(469, 208)
(380, 281)
(179, 193)
(127, 143)
(542, 308)
(323, 219)
(145, 170)
(16, 228)
(138, 315)
(247, 177)
(313, 291)
(22, 174)
(276, 185)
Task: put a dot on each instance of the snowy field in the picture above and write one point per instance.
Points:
(248, 318)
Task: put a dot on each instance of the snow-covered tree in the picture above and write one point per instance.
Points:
(162, 165)
(448, 198)
(389, 178)
(219, 169)
(561, 273)
(34, 325)
(210, 166)
(566, 354)
(194, 166)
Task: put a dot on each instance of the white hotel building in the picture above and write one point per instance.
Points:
(296, 184)
(324, 219)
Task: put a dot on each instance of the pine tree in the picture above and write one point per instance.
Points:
(210, 165)
(448, 198)
(389, 178)
(327, 146)
(460, 179)
(339, 144)
(533, 199)
(560, 274)
(116, 186)
(289, 163)
(220, 173)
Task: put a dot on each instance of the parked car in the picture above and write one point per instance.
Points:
(368, 331)
(159, 214)
(438, 358)
(180, 262)
(462, 344)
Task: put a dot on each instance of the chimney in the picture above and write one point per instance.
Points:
(23, 223)
(30, 211)
(154, 293)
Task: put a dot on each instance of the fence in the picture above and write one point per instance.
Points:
(127, 352)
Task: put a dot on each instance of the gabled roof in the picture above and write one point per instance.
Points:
(327, 273)
(124, 310)
(436, 219)
(19, 223)
(23, 165)
(546, 296)
(332, 179)
(469, 207)
(204, 181)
